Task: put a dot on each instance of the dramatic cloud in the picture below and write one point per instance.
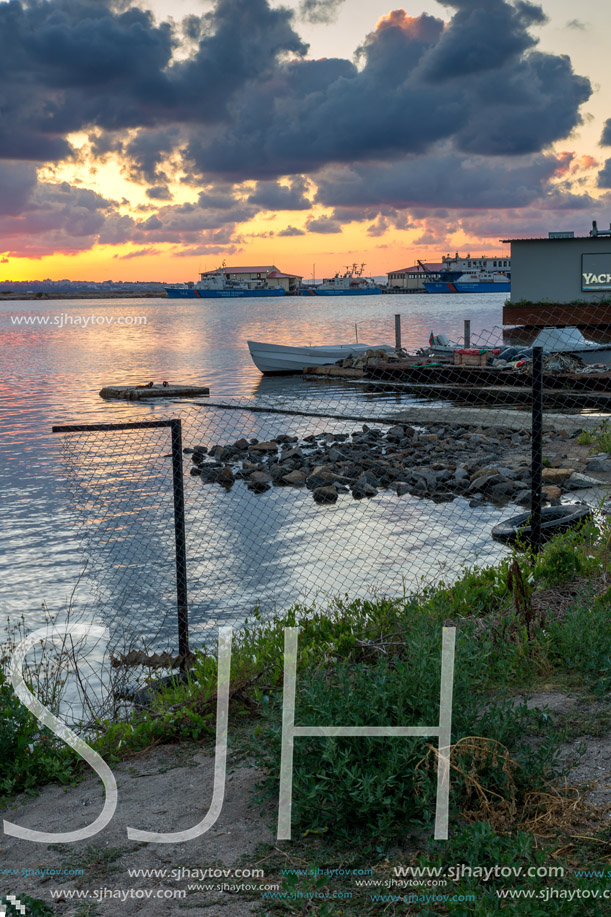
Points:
(605, 140)
(442, 179)
(69, 65)
(604, 176)
(319, 10)
(17, 182)
(478, 82)
(273, 196)
(291, 231)
(50, 217)
(431, 113)
(323, 225)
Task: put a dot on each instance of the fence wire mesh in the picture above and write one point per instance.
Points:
(376, 476)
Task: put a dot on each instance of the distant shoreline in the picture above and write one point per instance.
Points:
(85, 294)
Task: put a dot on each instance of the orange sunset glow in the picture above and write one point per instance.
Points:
(230, 139)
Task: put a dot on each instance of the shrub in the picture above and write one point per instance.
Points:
(389, 784)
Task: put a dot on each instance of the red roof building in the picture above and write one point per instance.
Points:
(272, 276)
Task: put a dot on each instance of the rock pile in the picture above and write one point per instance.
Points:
(491, 465)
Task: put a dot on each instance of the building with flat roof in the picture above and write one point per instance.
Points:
(272, 276)
(411, 279)
(560, 269)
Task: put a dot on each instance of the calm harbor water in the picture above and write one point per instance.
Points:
(56, 356)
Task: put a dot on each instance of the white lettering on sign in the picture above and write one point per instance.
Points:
(591, 279)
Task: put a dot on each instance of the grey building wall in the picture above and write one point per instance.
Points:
(549, 270)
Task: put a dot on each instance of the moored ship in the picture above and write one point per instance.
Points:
(469, 275)
(231, 282)
(482, 282)
(350, 283)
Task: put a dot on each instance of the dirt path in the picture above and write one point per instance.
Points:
(168, 789)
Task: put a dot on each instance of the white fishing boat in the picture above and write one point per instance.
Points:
(571, 342)
(282, 359)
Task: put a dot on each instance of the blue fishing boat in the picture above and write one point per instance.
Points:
(469, 275)
(483, 282)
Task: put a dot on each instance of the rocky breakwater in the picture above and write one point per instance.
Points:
(439, 462)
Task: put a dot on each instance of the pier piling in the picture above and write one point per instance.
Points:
(467, 333)
(397, 332)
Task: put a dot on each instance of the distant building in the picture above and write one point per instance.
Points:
(411, 279)
(272, 276)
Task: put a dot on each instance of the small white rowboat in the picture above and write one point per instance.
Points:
(280, 358)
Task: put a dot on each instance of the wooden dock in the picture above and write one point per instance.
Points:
(161, 390)
(475, 384)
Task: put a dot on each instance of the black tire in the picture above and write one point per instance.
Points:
(555, 519)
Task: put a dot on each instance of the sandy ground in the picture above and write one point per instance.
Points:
(588, 757)
(168, 789)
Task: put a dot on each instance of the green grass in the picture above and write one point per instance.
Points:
(371, 801)
(600, 437)
(33, 907)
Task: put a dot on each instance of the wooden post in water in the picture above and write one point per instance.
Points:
(397, 332)
(467, 334)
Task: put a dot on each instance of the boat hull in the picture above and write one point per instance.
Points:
(279, 359)
(367, 291)
(189, 293)
(442, 286)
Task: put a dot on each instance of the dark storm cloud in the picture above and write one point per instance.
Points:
(159, 193)
(466, 46)
(17, 182)
(273, 196)
(67, 65)
(323, 224)
(317, 11)
(428, 112)
(605, 140)
(147, 150)
(443, 178)
(479, 83)
(47, 216)
(604, 176)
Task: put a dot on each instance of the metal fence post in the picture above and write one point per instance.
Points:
(467, 333)
(181, 545)
(537, 447)
(397, 332)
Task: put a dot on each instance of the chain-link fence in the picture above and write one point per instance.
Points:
(378, 475)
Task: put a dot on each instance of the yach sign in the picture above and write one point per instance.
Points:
(596, 272)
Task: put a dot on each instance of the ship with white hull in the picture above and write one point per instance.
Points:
(218, 285)
(464, 274)
(350, 283)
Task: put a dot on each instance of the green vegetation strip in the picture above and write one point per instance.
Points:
(526, 622)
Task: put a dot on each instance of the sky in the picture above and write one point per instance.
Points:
(152, 140)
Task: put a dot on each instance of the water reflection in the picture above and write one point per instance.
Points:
(274, 547)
